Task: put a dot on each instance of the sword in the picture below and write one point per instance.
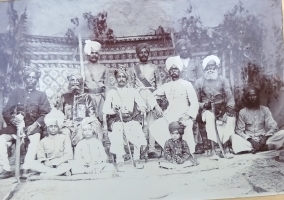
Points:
(217, 134)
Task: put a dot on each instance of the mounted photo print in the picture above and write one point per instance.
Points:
(145, 99)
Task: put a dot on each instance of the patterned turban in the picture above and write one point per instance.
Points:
(141, 46)
(55, 117)
(208, 59)
(174, 61)
(27, 70)
(76, 75)
(175, 126)
(182, 43)
(91, 45)
(121, 69)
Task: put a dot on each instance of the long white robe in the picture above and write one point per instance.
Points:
(182, 100)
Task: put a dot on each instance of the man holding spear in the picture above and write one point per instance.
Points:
(216, 103)
(122, 122)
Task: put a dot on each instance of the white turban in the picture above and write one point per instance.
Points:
(174, 61)
(91, 45)
(208, 59)
(54, 117)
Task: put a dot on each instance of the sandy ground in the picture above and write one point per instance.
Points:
(242, 176)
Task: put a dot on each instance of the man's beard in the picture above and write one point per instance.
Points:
(253, 104)
(76, 89)
(211, 76)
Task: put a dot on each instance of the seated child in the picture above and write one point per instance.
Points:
(90, 156)
(55, 149)
(176, 150)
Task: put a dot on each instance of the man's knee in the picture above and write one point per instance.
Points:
(208, 116)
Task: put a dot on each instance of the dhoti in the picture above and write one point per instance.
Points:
(225, 130)
(240, 144)
(134, 134)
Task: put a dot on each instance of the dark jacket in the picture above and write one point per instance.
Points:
(33, 104)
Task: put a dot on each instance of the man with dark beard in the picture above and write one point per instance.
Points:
(77, 105)
(25, 109)
(256, 129)
(146, 78)
(191, 72)
(214, 88)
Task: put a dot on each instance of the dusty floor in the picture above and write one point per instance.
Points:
(242, 176)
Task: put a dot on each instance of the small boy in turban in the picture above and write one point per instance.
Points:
(176, 150)
(90, 156)
(55, 149)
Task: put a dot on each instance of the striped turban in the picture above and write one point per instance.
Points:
(29, 69)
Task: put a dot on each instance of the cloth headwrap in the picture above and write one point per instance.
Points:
(77, 75)
(27, 70)
(141, 46)
(54, 117)
(174, 61)
(182, 43)
(175, 126)
(121, 69)
(208, 59)
(89, 45)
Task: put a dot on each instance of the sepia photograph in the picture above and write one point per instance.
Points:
(144, 99)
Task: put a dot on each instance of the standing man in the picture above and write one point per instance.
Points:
(214, 88)
(28, 106)
(191, 68)
(122, 100)
(256, 129)
(77, 105)
(191, 72)
(146, 78)
(182, 101)
(96, 75)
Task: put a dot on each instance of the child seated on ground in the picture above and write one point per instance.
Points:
(55, 149)
(90, 156)
(176, 150)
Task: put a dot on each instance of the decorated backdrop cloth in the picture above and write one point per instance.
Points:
(58, 56)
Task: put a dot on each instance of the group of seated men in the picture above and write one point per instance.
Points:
(130, 112)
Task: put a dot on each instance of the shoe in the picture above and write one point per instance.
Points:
(214, 157)
(199, 151)
(152, 155)
(138, 165)
(6, 174)
(27, 172)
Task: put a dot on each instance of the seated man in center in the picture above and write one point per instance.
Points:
(76, 105)
(182, 100)
(120, 102)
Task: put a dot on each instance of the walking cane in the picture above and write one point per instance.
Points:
(123, 129)
(217, 134)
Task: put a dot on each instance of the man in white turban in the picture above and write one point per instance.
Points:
(213, 88)
(55, 149)
(182, 101)
(96, 75)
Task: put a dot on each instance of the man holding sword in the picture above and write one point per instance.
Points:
(215, 89)
(146, 78)
(120, 103)
(25, 108)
